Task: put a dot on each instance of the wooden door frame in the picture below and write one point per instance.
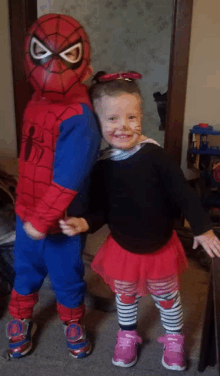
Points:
(178, 73)
(22, 13)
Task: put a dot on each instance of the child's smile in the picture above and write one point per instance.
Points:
(120, 119)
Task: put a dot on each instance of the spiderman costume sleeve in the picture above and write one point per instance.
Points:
(76, 151)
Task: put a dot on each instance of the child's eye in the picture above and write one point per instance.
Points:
(132, 117)
(112, 118)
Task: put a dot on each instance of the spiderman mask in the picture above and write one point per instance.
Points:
(57, 56)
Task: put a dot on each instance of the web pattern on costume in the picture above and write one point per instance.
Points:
(36, 164)
(57, 32)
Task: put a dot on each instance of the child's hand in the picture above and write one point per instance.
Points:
(32, 232)
(73, 226)
(209, 242)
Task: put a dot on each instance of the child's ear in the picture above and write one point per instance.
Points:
(88, 73)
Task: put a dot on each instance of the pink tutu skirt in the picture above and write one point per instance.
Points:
(135, 274)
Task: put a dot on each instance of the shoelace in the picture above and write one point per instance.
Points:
(173, 346)
(125, 342)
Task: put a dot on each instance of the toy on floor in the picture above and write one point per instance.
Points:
(205, 159)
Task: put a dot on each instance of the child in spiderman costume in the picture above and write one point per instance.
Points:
(60, 144)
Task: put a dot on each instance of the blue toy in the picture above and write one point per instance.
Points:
(205, 159)
(204, 148)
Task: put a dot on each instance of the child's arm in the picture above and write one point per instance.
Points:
(184, 196)
(209, 242)
(73, 226)
(75, 154)
(95, 217)
(97, 213)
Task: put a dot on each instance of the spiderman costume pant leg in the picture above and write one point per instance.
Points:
(63, 257)
(29, 265)
(58, 255)
(30, 271)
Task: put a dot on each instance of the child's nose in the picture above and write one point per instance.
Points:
(124, 124)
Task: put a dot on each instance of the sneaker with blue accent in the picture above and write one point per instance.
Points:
(77, 343)
(20, 333)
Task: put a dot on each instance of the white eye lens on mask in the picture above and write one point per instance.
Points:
(38, 50)
(73, 54)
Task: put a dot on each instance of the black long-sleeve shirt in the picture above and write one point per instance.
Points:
(138, 198)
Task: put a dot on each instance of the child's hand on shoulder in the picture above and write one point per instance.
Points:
(209, 242)
(73, 226)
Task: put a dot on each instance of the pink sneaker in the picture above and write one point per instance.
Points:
(173, 351)
(125, 354)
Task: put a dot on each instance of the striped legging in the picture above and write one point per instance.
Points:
(166, 299)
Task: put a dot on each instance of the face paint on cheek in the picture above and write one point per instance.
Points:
(111, 133)
(109, 136)
(137, 131)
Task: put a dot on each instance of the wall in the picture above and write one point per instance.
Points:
(7, 128)
(203, 86)
(127, 35)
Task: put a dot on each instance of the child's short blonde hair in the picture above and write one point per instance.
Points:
(112, 88)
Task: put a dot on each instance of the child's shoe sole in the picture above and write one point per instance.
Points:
(174, 367)
(124, 365)
(81, 354)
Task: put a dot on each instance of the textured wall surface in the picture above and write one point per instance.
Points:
(127, 35)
